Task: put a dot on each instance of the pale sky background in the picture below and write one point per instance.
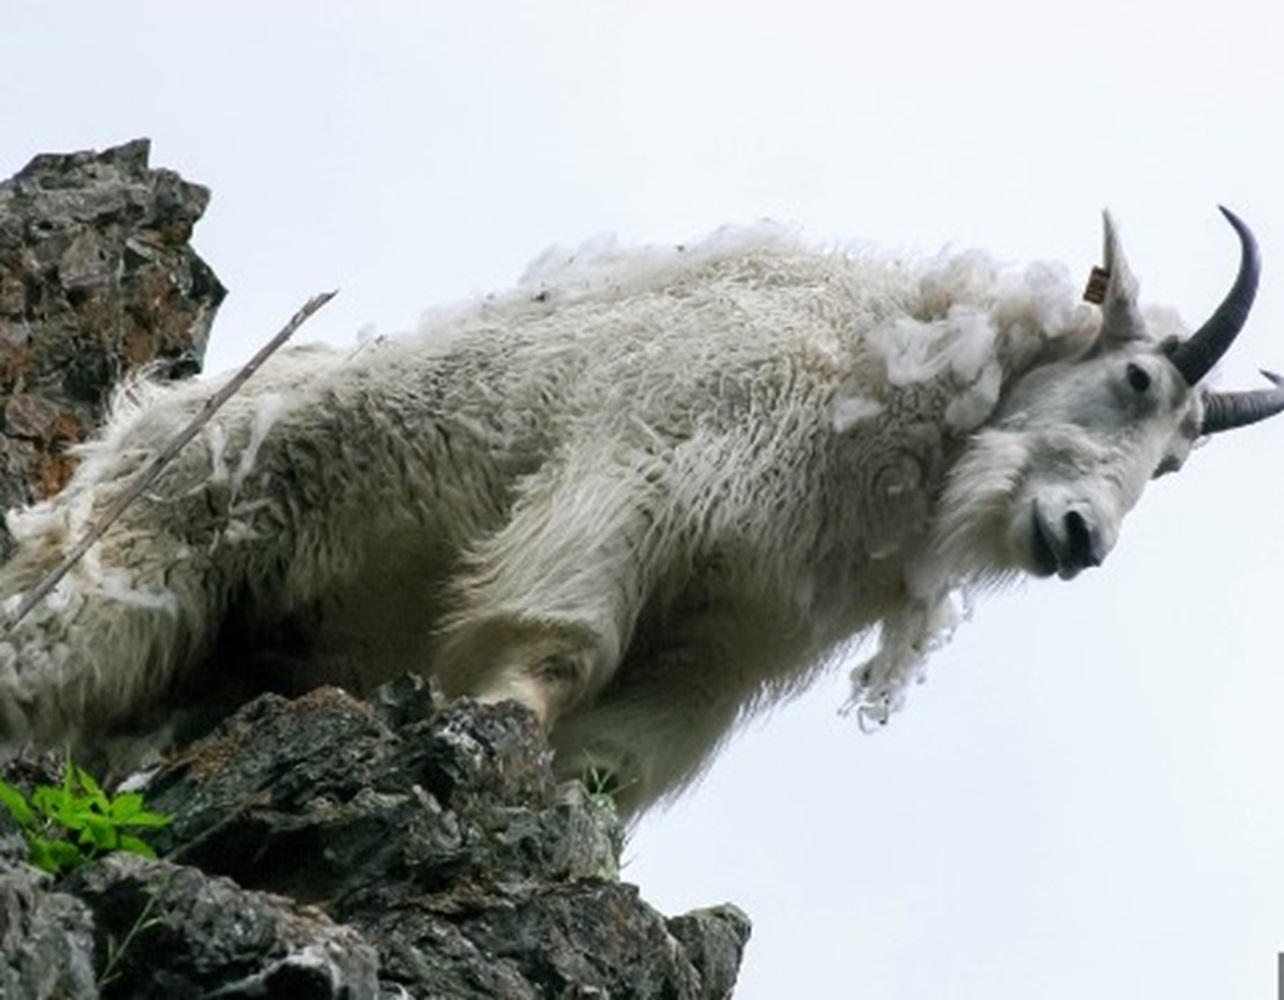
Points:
(1087, 797)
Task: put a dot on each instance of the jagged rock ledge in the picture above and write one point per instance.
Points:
(328, 847)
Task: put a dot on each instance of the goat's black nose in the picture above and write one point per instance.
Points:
(1082, 547)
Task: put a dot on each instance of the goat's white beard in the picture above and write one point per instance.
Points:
(907, 637)
(968, 554)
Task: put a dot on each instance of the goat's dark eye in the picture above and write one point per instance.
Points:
(1138, 378)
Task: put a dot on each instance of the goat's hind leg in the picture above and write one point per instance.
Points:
(106, 641)
(651, 734)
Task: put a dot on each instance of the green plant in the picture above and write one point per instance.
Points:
(116, 950)
(66, 825)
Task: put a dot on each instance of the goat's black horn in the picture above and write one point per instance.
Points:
(1224, 411)
(1196, 356)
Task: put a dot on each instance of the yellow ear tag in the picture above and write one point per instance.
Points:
(1098, 281)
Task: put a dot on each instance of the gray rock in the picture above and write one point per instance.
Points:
(715, 940)
(96, 280)
(329, 847)
(46, 939)
(439, 832)
(166, 931)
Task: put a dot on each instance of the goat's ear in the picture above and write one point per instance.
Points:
(1120, 317)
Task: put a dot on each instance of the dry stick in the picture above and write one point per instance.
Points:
(165, 456)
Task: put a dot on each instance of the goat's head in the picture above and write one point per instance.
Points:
(1046, 485)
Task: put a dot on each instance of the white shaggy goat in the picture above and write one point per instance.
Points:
(643, 494)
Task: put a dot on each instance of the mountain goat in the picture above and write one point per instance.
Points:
(644, 494)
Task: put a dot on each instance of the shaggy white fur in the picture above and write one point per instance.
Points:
(646, 492)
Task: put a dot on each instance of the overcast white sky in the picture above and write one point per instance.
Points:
(1087, 798)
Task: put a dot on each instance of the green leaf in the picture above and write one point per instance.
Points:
(124, 807)
(92, 789)
(102, 833)
(52, 803)
(55, 856)
(150, 819)
(16, 803)
(75, 820)
(41, 856)
(136, 846)
(44, 797)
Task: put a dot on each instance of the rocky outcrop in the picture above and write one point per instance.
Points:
(327, 847)
(97, 279)
(322, 847)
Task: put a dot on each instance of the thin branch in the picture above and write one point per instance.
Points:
(166, 455)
